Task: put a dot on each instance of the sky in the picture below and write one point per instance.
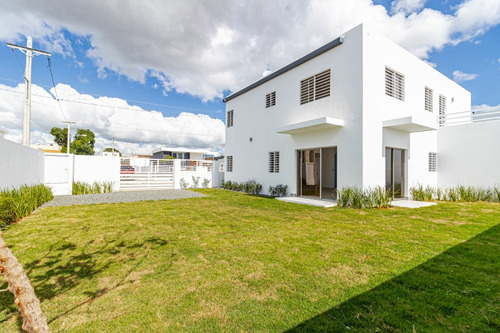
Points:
(153, 73)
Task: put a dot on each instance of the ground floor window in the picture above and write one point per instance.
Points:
(432, 162)
(274, 161)
(229, 164)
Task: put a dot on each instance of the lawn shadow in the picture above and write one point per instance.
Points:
(458, 290)
(64, 267)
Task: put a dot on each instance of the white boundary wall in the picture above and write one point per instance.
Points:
(59, 173)
(202, 172)
(90, 169)
(62, 169)
(20, 165)
(469, 154)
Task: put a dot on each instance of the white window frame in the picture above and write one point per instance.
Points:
(230, 118)
(428, 99)
(394, 84)
(271, 99)
(432, 162)
(274, 162)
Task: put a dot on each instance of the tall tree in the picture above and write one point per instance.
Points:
(82, 144)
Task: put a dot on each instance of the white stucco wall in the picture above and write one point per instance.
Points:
(469, 154)
(379, 53)
(358, 98)
(90, 169)
(253, 120)
(20, 165)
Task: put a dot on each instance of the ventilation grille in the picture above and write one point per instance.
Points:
(442, 109)
(428, 99)
(315, 87)
(394, 84)
(274, 162)
(432, 162)
(229, 118)
(271, 99)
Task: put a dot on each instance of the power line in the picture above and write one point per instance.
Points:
(115, 107)
(127, 100)
(55, 92)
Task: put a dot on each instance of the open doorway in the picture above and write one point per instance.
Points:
(317, 172)
(395, 172)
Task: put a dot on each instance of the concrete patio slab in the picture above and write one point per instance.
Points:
(308, 201)
(411, 204)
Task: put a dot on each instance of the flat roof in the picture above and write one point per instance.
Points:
(327, 47)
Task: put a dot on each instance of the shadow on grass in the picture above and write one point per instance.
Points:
(458, 290)
(66, 266)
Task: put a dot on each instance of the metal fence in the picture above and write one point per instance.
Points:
(466, 117)
(143, 173)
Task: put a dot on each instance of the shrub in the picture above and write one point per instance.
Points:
(206, 181)
(250, 186)
(419, 193)
(87, 188)
(196, 181)
(18, 203)
(183, 184)
(278, 190)
(354, 197)
(457, 193)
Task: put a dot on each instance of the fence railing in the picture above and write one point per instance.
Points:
(472, 116)
(192, 165)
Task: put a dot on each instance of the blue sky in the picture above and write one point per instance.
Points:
(183, 57)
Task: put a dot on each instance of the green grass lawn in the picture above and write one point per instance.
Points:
(238, 263)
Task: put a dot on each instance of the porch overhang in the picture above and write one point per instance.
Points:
(412, 124)
(311, 125)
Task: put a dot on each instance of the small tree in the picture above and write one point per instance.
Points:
(83, 142)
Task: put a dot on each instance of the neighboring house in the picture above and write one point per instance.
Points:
(184, 153)
(359, 111)
(47, 148)
(110, 153)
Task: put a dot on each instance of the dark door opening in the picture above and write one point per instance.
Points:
(395, 172)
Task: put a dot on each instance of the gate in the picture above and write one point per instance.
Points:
(145, 173)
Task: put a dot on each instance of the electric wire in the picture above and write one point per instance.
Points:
(21, 66)
(55, 89)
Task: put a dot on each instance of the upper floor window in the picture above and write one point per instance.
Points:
(394, 84)
(432, 162)
(271, 99)
(229, 163)
(274, 161)
(315, 87)
(442, 110)
(428, 99)
(229, 118)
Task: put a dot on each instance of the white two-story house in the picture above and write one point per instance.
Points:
(359, 111)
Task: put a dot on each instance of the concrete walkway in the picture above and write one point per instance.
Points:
(310, 202)
(411, 204)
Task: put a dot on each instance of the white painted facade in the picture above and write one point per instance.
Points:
(358, 119)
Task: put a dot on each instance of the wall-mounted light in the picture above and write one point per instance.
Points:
(251, 139)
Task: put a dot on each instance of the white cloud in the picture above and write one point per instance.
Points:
(407, 6)
(460, 76)
(206, 47)
(136, 130)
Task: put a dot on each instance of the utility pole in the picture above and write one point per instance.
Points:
(113, 148)
(69, 134)
(30, 53)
